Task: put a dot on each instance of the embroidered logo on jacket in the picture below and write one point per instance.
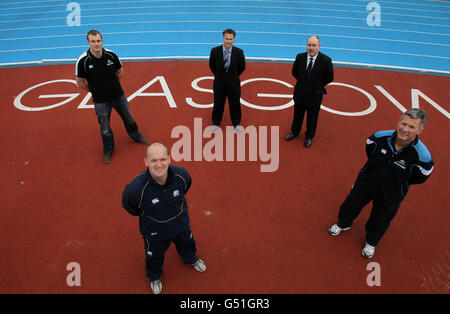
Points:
(155, 201)
(176, 193)
(401, 163)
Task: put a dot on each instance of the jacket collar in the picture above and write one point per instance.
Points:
(153, 181)
(391, 142)
(92, 56)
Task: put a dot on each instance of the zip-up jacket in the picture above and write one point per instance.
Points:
(162, 209)
(390, 172)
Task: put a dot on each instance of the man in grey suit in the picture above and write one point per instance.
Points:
(227, 62)
(313, 71)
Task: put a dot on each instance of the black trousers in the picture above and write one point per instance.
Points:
(383, 211)
(155, 251)
(232, 91)
(301, 106)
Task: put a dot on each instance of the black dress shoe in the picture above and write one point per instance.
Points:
(290, 136)
(308, 142)
(107, 158)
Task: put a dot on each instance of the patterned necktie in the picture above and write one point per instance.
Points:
(308, 70)
(226, 60)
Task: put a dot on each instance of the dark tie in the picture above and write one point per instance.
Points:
(226, 63)
(308, 70)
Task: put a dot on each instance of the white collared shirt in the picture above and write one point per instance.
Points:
(314, 60)
(225, 49)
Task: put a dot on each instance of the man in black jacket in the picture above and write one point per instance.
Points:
(157, 196)
(227, 62)
(396, 159)
(313, 71)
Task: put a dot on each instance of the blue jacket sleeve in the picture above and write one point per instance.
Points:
(421, 171)
(188, 180)
(370, 145)
(130, 200)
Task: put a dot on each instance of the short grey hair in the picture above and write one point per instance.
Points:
(416, 113)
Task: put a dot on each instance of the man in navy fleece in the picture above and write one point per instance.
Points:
(157, 196)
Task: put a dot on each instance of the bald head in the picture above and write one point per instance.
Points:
(157, 160)
(313, 45)
(315, 38)
(155, 147)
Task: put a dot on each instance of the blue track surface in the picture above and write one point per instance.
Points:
(413, 34)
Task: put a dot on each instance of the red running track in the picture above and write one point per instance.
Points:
(258, 232)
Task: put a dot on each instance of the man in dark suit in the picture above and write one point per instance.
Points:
(227, 62)
(313, 71)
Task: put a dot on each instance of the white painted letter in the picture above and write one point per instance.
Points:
(288, 96)
(195, 86)
(372, 106)
(165, 87)
(415, 93)
(69, 97)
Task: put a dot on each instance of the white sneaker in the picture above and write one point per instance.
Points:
(336, 230)
(199, 266)
(368, 250)
(156, 286)
(238, 128)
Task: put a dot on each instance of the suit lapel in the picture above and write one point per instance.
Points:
(302, 65)
(231, 56)
(304, 61)
(316, 64)
(220, 52)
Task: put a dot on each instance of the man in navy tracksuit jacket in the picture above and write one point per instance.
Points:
(157, 196)
(396, 159)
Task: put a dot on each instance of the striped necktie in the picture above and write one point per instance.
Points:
(226, 60)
